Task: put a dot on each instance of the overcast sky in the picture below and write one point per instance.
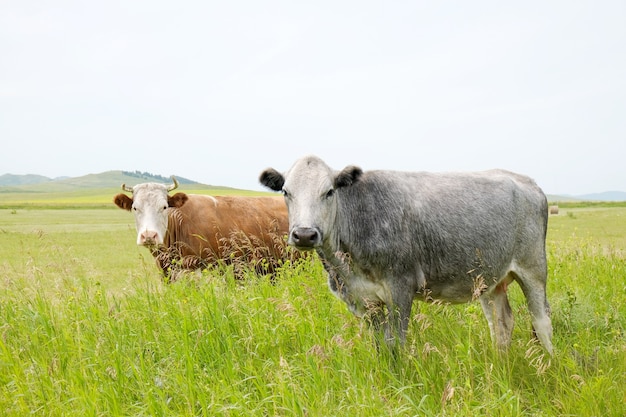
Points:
(216, 91)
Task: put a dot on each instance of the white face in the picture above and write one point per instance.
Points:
(150, 208)
(310, 198)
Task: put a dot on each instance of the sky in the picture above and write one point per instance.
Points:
(217, 91)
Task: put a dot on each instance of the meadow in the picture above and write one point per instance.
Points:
(88, 328)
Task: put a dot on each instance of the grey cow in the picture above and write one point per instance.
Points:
(388, 237)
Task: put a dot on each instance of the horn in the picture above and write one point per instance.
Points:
(128, 189)
(173, 186)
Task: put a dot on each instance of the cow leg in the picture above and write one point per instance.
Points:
(399, 313)
(388, 321)
(376, 316)
(497, 309)
(535, 293)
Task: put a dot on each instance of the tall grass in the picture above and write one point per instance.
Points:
(88, 328)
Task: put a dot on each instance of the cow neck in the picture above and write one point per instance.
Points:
(174, 226)
(335, 254)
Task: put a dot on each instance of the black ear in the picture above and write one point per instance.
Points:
(272, 179)
(348, 176)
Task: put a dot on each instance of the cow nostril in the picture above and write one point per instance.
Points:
(148, 237)
(305, 237)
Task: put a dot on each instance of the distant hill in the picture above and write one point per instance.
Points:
(108, 179)
(605, 196)
(147, 177)
(13, 180)
(553, 198)
(10, 183)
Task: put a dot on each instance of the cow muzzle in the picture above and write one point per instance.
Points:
(305, 237)
(148, 238)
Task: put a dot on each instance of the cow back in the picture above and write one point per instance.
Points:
(208, 229)
(452, 227)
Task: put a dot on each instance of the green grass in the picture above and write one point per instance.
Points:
(88, 328)
(91, 198)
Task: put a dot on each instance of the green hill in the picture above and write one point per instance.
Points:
(36, 183)
(92, 190)
(16, 180)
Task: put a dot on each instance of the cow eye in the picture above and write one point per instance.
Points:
(285, 193)
(330, 193)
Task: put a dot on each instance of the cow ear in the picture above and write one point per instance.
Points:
(177, 200)
(348, 176)
(272, 179)
(123, 201)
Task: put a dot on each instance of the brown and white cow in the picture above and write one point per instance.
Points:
(190, 231)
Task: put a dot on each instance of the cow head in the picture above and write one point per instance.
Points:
(310, 193)
(149, 204)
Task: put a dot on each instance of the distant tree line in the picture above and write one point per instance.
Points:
(156, 177)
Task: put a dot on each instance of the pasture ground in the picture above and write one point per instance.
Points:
(87, 328)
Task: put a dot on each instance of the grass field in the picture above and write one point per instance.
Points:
(90, 198)
(87, 328)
